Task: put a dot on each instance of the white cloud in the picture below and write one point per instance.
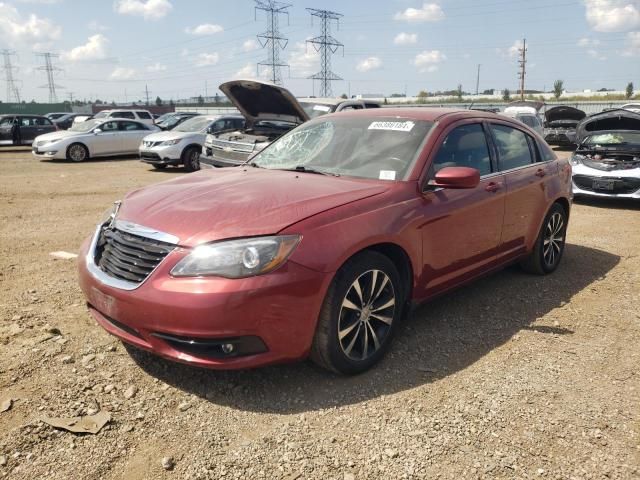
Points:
(207, 59)
(303, 61)
(249, 45)
(148, 9)
(205, 29)
(613, 15)
(16, 31)
(595, 54)
(430, 12)
(405, 38)
(429, 60)
(94, 49)
(514, 50)
(632, 45)
(156, 67)
(97, 26)
(41, 2)
(368, 64)
(588, 42)
(123, 73)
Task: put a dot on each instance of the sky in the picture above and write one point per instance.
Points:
(113, 50)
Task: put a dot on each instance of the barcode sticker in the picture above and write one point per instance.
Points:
(395, 126)
(387, 175)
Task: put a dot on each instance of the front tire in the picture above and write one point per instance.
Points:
(77, 152)
(359, 315)
(191, 159)
(549, 247)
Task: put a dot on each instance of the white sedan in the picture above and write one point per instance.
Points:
(93, 138)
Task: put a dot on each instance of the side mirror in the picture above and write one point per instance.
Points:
(97, 131)
(457, 178)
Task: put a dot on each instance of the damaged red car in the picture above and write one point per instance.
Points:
(319, 244)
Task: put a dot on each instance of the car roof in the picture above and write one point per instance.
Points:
(432, 114)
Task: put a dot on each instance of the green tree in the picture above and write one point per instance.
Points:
(158, 101)
(628, 93)
(506, 95)
(558, 88)
(344, 95)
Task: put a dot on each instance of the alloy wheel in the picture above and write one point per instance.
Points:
(194, 159)
(553, 239)
(366, 315)
(77, 153)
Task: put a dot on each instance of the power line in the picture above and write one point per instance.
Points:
(12, 88)
(50, 69)
(523, 63)
(326, 45)
(271, 39)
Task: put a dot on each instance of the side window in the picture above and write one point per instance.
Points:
(351, 107)
(109, 126)
(464, 146)
(527, 120)
(6, 121)
(371, 105)
(239, 123)
(143, 115)
(26, 122)
(123, 115)
(43, 121)
(513, 147)
(129, 126)
(219, 125)
(546, 154)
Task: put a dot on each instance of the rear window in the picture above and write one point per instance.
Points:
(43, 121)
(144, 115)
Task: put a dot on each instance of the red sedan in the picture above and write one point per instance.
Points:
(320, 243)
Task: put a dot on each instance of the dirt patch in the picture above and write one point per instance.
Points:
(516, 376)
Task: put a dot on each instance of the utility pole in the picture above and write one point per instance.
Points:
(523, 70)
(478, 81)
(271, 38)
(146, 93)
(206, 90)
(12, 89)
(70, 94)
(326, 45)
(50, 69)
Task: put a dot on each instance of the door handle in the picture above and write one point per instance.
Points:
(493, 187)
(540, 173)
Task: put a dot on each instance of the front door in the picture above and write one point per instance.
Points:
(5, 130)
(462, 228)
(107, 141)
(131, 134)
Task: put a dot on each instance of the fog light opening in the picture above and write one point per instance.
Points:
(227, 348)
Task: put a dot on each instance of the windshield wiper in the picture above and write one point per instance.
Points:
(303, 169)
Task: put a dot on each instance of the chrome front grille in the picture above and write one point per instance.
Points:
(128, 257)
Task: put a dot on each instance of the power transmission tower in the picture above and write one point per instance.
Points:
(523, 70)
(50, 69)
(326, 45)
(271, 39)
(12, 88)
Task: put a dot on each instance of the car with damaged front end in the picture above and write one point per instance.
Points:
(560, 124)
(606, 162)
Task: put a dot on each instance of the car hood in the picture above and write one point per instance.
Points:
(59, 135)
(263, 101)
(239, 202)
(563, 112)
(610, 121)
(169, 135)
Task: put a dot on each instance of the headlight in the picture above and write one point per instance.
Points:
(237, 258)
(109, 215)
(167, 143)
(576, 159)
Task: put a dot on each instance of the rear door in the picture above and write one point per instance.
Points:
(28, 129)
(131, 134)
(526, 176)
(5, 130)
(44, 125)
(462, 228)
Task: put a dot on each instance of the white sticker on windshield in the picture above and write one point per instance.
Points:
(396, 126)
(387, 175)
(321, 108)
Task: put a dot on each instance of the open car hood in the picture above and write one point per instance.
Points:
(258, 101)
(563, 112)
(611, 121)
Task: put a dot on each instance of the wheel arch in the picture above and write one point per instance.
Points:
(77, 142)
(191, 145)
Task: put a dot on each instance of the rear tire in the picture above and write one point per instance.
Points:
(549, 247)
(77, 152)
(191, 159)
(359, 315)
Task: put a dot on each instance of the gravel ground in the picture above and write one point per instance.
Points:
(515, 376)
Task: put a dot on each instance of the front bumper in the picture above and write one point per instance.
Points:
(210, 158)
(626, 183)
(169, 155)
(279, 310)
(49, 151)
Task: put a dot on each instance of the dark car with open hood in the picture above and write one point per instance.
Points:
(606, 162)
(321, 243)
(560, 125)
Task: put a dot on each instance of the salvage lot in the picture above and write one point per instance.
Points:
(514, 376)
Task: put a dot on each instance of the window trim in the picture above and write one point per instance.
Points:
(527, 136)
